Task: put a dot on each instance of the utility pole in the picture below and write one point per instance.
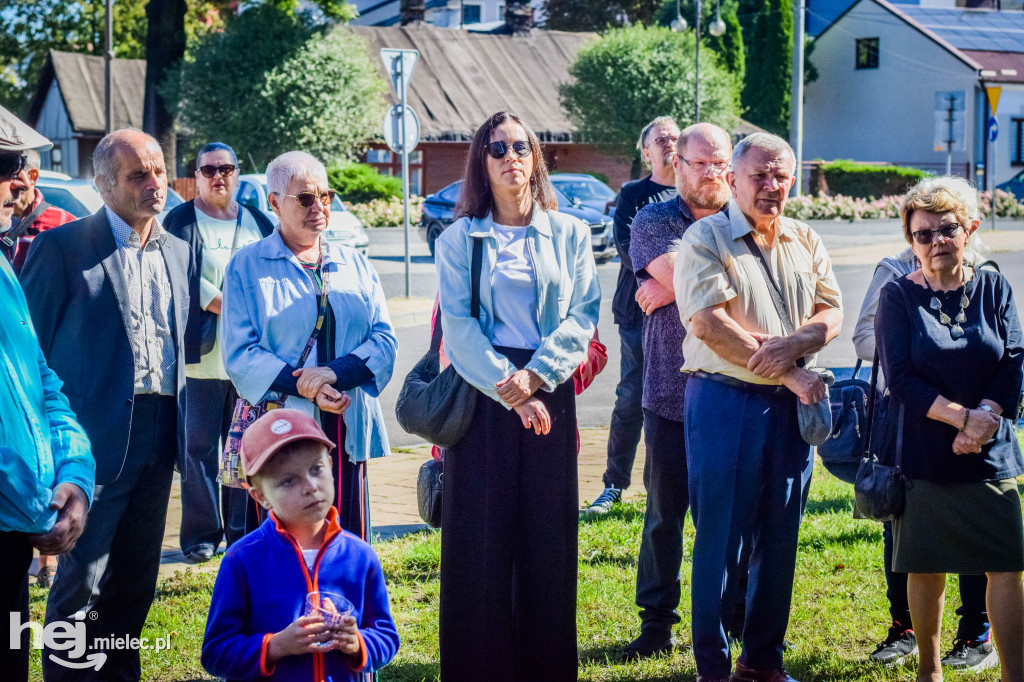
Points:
(108, 59)
(949, 139)
(797, 107)
(696, 62)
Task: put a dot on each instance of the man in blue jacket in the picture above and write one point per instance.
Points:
(46, 467)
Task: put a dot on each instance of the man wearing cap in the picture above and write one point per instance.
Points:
(46, 468)
(109, 298)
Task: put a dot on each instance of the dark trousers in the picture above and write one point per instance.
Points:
(17, 557)
(112, 570)
(508, 547)
(351, 488)
(750, 472)
(661, 547)
(628, 414)
(974, 625)
(204, 503)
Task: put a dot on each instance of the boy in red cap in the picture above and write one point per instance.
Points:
(256, 629)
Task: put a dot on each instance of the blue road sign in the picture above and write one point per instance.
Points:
(993, 129)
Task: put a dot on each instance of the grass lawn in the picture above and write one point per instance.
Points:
(839, 609)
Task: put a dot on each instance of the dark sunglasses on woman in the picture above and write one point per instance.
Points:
(498, 150)
(226, 171)
(11, 165)
(928, 236)
(306, 199)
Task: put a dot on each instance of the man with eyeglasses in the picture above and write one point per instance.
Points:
(215, 226)
(109, 299)
(699, 165)
(657, 146)
(46, 479)
(736, 275)
(32, 215)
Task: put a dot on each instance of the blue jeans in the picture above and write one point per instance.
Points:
(748, 482)
(210, 403)
(974, 625)
(628, 414)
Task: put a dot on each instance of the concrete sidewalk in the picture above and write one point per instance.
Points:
(393, 508)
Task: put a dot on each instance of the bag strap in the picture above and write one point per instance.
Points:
(899, 446)
(871, 401)
(321, 314)
(12, 235)
(773, 289)
(474, 296)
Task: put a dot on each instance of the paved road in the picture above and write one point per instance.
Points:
(594, 407)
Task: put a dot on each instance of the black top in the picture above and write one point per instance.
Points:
(921, 361)
(632, 197)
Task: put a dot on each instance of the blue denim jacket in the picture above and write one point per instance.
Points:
(269, 310)
(41, 443)
(568, 298)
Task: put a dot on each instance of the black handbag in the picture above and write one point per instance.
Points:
(846, 444)
(880, 490)
(434, 405)
(428, 491)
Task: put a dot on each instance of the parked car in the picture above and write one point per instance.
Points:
(173, 199)
(439, 211)
(585, 190)
(1014, 186)
(343, 228)
(77, 197)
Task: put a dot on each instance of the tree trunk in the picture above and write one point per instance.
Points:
(165, 46)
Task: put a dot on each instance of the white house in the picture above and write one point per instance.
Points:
(888, 75)
(444, 13)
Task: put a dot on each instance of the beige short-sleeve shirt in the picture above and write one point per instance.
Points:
(714, 266)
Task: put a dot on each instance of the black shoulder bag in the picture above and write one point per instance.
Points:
(846, 443)
(436, 405)
(815, 420)
(880, 490)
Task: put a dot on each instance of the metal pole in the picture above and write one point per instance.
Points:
(108, 58)
(797, 123)
(949, 139)
(993, 176)
(405, 178)
(696, 79)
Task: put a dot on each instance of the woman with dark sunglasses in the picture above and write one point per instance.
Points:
(216, 226)
(950, 345)
(508, 549)
(272, 305)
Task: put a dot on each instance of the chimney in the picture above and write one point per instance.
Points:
(412, 11)
(518, 16)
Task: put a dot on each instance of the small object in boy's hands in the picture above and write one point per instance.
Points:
(329, 606)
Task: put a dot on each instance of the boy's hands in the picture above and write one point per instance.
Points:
(304, 636)
(345, 637)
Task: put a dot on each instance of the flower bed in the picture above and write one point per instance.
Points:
(824, 207)
(387, 212)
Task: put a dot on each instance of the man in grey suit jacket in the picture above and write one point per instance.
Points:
(109, 298)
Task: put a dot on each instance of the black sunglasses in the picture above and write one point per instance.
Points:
(226, 171)
(498, 150)
(11, 165)
(306, 199)
(928, 236)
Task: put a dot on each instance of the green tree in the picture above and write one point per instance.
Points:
(630, 75)
(273, 81)
(597, 15)
(767, 83)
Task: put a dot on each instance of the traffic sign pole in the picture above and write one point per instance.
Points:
(405, 184)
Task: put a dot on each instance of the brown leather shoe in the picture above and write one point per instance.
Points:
(746, 674)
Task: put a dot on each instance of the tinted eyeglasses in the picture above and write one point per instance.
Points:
(226, 171)
(498, 150)
(11, 165)
(306, 199)
(928, 236)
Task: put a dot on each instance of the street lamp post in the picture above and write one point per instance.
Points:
(716, 28)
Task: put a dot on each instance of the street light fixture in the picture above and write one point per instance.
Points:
(678, 24)
(717, 27)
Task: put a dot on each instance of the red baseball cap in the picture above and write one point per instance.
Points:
(274, 430)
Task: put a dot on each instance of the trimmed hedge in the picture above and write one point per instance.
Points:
(863, 181)
(360, 183)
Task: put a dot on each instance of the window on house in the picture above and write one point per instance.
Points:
(867, 53)
(1017, 141)
(501, 13)
(471, 14)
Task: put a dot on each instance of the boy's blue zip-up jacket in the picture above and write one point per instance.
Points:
(261, 588)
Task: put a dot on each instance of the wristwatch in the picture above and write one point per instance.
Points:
(987, 408)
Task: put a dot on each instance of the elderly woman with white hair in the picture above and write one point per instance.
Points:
(273, 291)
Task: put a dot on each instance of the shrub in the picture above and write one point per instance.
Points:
(865, 181)
(388, 212)
(824, 207)
(361, 183)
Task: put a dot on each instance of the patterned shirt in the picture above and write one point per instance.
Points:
(150, 322)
